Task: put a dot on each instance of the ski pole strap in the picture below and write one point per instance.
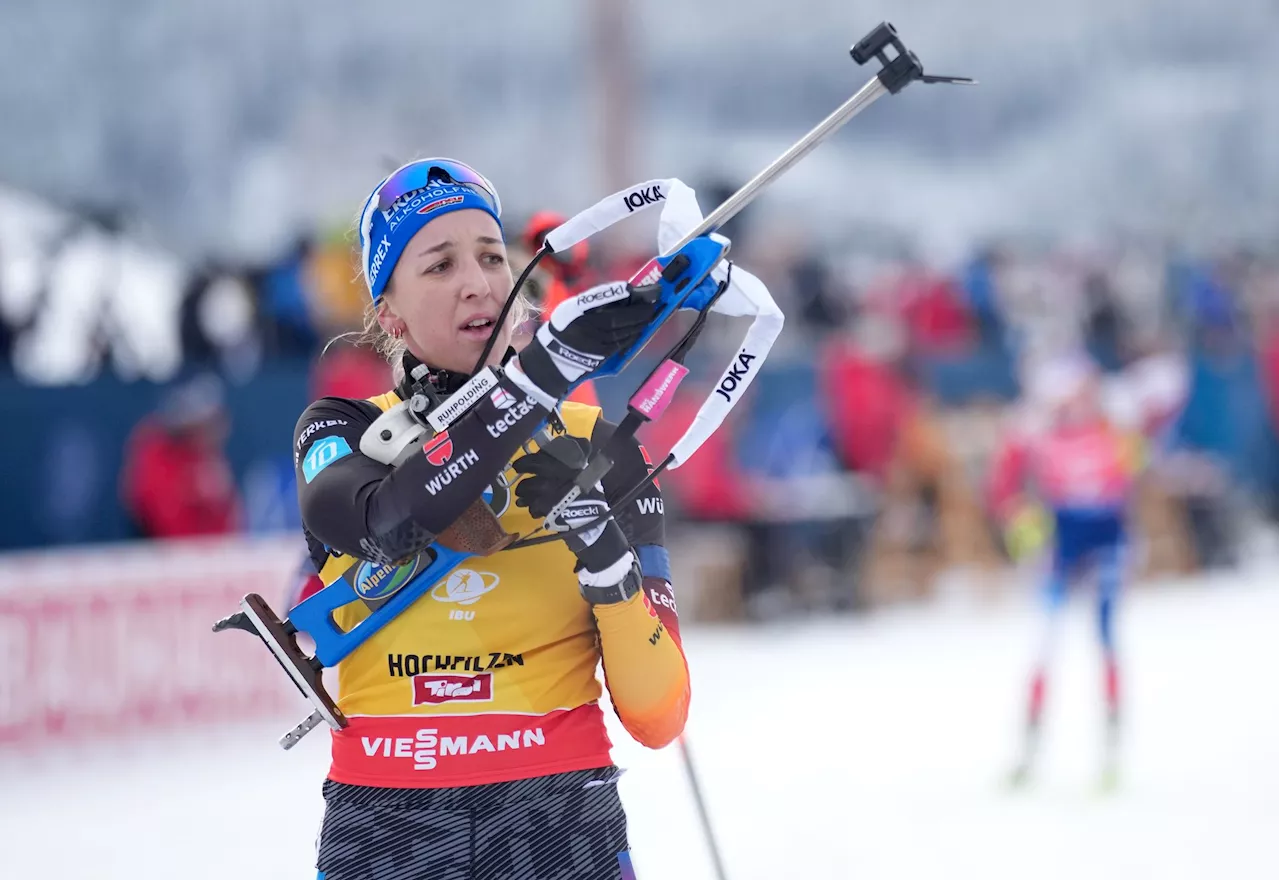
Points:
(743, 293)
(608, 211)
(740, 294)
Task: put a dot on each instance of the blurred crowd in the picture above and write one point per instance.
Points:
(901, 379)
(853, 472)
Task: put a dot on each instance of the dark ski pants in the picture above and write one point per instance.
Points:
(566, 826)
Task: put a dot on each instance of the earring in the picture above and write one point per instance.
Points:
(397, 332)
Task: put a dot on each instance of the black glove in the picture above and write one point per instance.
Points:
(602, 549)
(584, 331)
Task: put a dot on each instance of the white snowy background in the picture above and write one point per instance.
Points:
(872, 748)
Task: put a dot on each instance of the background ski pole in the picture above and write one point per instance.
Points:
(707, 832)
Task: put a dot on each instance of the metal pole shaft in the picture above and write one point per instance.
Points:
(712, 847)
(864, 97)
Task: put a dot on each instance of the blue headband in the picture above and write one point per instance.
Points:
(384, 234)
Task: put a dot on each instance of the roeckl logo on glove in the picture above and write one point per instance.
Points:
(638, 198)
(512, 417)
(584, 511)
(606, 294)
(556, 348)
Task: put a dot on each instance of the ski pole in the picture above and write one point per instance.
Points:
(898, 71)
(703, 816)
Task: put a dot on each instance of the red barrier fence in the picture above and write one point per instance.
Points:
(109, 639)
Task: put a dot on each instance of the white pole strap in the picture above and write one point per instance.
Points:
(609, 211)
(746, 294)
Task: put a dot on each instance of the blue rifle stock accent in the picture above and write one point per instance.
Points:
(682, 292)
(315, 615)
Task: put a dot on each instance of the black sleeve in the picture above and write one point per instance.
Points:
(359, 506)
(642, 521)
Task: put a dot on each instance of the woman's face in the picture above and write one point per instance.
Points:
(447, 290)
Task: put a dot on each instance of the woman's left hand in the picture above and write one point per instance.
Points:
(550, 474)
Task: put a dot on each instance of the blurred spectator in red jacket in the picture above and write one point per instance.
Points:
(350, 371)
(865, 399)
(931, 305)
(176, 480)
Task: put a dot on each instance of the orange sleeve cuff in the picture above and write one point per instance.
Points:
(645, 671)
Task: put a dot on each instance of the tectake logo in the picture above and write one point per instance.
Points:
(464, 586)
(665, 598)
(512, 417)
(431, 690)
(502, 399)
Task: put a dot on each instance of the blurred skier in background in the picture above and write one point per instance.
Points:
(1063, 480)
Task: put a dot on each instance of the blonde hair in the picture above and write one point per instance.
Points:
(372, 335)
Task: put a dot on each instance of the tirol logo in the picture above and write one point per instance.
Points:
(439, 203)
(438, 449)
(381, 581)
(464, 586)
(646, 195)
(435, 689)
(737, 372)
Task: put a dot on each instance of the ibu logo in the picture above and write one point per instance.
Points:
(382, 581)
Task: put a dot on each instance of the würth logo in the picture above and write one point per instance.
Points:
(438, 449)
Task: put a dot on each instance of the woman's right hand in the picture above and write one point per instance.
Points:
(586, 330)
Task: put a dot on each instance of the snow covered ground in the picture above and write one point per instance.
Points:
(861, 748)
